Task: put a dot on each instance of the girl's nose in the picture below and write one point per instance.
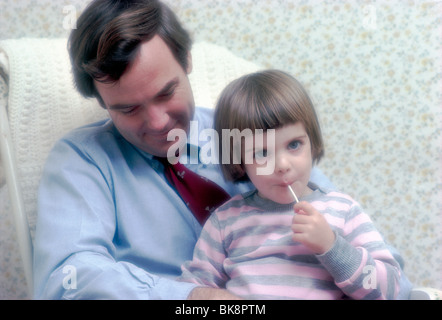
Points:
(282, 164)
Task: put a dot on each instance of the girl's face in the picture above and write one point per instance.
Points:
(292, 156)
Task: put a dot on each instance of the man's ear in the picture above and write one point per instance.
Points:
(189, 63)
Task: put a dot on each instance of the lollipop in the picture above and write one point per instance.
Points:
(293, 194)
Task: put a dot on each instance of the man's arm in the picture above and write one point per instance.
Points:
(320, 179)
(74, 253)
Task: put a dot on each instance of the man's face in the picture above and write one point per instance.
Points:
(151, 98)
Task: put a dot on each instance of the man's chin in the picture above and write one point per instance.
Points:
(168, 149)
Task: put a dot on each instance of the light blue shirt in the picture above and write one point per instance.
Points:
(109, 225)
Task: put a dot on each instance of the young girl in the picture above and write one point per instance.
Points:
(265, 244)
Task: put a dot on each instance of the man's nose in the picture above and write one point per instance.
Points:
(155, 117)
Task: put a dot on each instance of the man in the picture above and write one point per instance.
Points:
(110, 224)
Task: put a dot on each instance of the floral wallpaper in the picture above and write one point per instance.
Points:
(373, 69)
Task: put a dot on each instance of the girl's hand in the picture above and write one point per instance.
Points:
(311, 229)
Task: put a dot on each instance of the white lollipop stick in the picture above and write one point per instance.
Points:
(293, 194)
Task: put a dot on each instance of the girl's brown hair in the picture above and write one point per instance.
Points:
(265, 100)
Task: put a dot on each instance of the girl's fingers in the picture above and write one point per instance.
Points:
(304, 208)
(300, 219)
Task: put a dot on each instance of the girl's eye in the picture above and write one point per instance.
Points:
(294, 145)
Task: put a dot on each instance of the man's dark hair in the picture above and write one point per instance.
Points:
(109, 34)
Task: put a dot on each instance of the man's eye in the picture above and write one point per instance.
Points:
(129, 110)
(166, 95)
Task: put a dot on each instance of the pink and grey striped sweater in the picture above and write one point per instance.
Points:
(246, 247)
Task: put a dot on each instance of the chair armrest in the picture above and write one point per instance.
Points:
(8, 164)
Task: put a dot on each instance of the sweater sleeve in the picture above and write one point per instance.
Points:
(360, 262)
(206, 267)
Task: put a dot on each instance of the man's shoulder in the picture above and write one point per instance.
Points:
(92, 143)
(82, 135)
(93, 139)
